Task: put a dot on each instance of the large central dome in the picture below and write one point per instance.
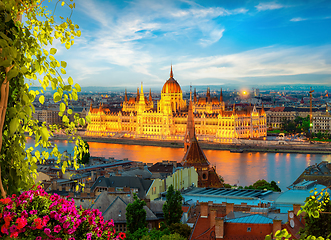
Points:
(171, 86)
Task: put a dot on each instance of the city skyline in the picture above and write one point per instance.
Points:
(239, 43)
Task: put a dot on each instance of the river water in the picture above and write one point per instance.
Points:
(236, 168)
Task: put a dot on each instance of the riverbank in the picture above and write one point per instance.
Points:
(320, 148)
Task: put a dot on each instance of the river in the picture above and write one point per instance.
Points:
(236, 168)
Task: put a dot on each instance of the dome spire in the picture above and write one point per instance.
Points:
(171, 74)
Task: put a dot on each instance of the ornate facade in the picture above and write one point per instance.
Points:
(140, 118)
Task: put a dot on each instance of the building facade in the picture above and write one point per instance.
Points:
(167, 120)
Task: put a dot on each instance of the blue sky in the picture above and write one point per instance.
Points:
(208, 42)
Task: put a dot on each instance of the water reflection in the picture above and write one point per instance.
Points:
(236, 168)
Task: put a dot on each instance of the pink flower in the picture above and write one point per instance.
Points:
(57, 228)
(66, 224)
(47, 231)
(88, 236)
(72, 238)
(38, 238)
(33, 212)
(71, 231)
(38, 223)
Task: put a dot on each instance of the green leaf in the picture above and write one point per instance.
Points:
(82, 121)
(62, 4)
(62, 107)
(70, 81)
(44, 133)
(13, 125)
(68, 45)
(51, 58)
(63, 64)
(52, 51)
(57, 97)
(42, 99)
(78, 33)
(65, 119)
(12, 73)
(88, 118)
(78, 87)
(45, 52)
(69, 111)
(5, 63)
(63, 71)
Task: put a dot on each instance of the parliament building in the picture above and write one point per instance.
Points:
(167, 120)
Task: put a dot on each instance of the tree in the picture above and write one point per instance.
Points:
(317, 208)
(135, 215)
(263, 184)
(25, 57)
(182, 229)
(318, 222)
(86, 155)
(172, 208)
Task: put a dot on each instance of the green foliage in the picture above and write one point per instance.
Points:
(263, 184)
(297, 125)
(25, 61)
(172, 208)
(226, 185)
(136, 215)
(174, 236)
(182, 229)
(318, 217)
(85, 158)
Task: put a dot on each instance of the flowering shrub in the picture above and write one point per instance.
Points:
(39, 216)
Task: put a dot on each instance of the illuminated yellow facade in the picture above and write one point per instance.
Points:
(140, 119)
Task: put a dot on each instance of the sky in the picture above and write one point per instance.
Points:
(225, 43)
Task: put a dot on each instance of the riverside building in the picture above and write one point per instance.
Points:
(167, 120)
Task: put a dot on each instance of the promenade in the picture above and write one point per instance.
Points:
(245, 146)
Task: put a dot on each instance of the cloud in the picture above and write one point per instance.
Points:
(268, 6)
(262, 62)
(123, 35)
(298, 19)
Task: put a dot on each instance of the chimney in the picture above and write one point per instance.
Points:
(54, 185)
(296, 208)
(277, 225)
(212, 216)
(148, 203)
(229, 208)
(219, 228)
(204, 210)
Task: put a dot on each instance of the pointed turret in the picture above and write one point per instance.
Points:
(150, 95)
(221, 96)
(171, 74)
(190, 128)
(126, 96)
(91, 107)
(141, 96)
(262, 110)
(234, 109)
(208, 95)
(195, 96)
(137, 98)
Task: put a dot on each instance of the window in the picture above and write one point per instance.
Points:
(249, 229)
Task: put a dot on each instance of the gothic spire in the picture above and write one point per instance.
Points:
(141, 96)
(190, 128)
(126, 96)
(137, 98)
(171, 74)
(221, 96)
(150, 95)
(195, 95)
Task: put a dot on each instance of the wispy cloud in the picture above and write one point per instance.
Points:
(263, 62)
(298, 19)
(268, 6)
(122, 32)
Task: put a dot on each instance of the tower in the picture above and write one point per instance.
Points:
(190, 128)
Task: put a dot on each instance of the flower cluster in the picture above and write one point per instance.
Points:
(37, 215)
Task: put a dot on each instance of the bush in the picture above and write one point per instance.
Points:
(37, 215)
